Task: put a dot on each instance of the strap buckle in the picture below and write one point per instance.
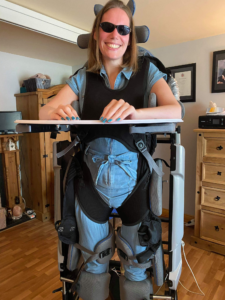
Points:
(141, 146)
(122, 254)
(105, 253)
(145, 256)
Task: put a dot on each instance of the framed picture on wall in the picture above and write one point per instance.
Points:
(185, 76)
(218, 72)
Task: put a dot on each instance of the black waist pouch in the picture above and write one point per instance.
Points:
(150, 233)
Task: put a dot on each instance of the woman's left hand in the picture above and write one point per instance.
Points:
(118, 110)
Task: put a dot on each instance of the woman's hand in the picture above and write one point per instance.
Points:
(118, 110)
(64, 112)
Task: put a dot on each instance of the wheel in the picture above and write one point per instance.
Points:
(70, 296)
(174, 295)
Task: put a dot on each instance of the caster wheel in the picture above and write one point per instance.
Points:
(174, 295)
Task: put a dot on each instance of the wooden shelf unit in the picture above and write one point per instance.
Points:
(209, 231)
(36, 155)
(11, 169)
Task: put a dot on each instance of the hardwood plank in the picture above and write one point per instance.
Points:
(29, 270)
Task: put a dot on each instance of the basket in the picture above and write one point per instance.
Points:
(33, 84)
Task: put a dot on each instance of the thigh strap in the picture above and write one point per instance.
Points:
(136, 206)
(132, 211)
(90, 201)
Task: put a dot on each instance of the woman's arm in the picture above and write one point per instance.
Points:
(60, 106)
(168, 107)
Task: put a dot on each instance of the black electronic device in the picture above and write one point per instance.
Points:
(212, 122)
(7, 119)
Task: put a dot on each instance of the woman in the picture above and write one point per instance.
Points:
(112, 64)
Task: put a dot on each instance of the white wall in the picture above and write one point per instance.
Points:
(201, 53)
(76, 67)
(16, 68)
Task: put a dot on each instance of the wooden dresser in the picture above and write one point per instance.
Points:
(11, 169)
(36, 155)
(209, 231)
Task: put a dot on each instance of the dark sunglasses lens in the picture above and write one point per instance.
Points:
(123, 29)
(107, 27)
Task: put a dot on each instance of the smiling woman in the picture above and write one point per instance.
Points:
(116, 14)
(113, 88)
(113, 44)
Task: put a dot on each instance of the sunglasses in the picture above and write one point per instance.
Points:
(109, 27)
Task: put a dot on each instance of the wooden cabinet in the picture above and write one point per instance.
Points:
(210, 191)
(11, 169)
(36, 155)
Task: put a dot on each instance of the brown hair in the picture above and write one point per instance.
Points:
(95, 57)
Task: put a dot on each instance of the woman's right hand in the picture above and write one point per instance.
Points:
(64, 112)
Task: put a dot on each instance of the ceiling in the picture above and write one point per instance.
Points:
(170, 22)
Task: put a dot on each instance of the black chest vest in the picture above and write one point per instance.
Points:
(98, 96)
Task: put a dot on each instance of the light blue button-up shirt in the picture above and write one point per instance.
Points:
(112, 165)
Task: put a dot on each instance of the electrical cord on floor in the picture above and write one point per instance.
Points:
(202, 294)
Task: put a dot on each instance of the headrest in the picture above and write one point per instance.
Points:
(142, 32)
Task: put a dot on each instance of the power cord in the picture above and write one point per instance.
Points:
(202, 294)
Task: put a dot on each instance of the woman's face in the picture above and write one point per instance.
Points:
(113, 45)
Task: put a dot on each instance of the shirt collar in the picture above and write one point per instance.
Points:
(126, 72)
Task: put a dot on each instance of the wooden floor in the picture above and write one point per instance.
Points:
(29, 270)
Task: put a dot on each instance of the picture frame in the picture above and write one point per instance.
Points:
(185, 76)
(218, 72)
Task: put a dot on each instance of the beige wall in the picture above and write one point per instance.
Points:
(20, 41)
(16, 68)
(23, 53)
(201, 53)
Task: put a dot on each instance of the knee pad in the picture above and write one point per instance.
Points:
(126, 254)
(158, 267)
(149, 235)
(93, 286)
(103, 251)
(135, 290)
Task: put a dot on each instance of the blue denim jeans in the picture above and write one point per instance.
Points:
(114, 171)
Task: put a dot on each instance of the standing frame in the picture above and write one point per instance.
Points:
(218, 72)
(185, 76)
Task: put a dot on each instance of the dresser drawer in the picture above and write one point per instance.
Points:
(214, 147)
(213, 197)
(214, 173)
(212, 227)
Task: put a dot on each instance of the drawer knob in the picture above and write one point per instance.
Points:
(217, 198)
(217, 228)
(219, 173)
(219, 148)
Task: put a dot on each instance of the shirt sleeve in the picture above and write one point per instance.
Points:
(154, 75)
(77, 82)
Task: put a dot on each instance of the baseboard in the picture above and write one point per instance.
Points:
(206, 245)
(165, 214)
